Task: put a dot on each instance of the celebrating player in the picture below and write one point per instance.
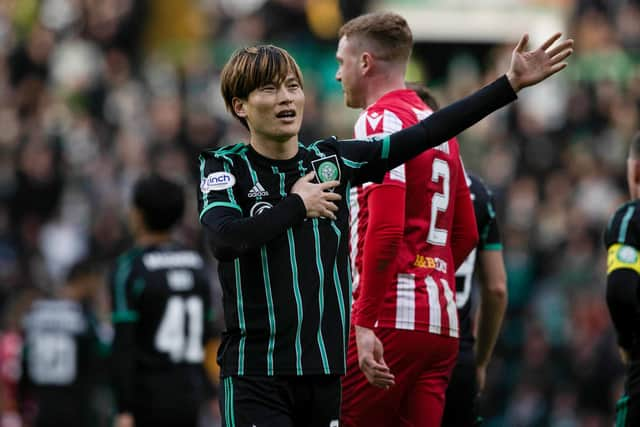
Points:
(282, 240)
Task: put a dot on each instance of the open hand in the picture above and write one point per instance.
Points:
(317, 201)
(530, 67)
(370, 358)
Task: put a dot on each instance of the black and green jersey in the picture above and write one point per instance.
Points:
(161, 306)
(59, 360)
(622, 240)
(286, 278)
(286, 301)
(483, 206)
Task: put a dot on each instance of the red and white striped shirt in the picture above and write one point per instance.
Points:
(402, 229)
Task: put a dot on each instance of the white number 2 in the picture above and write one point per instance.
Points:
(439, 202)
(171, 338)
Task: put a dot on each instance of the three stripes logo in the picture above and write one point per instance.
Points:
(258, 191)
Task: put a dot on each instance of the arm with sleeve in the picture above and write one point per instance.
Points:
(396, 148)
(623, 275)
(382, 241)
(623, 281)
(231, 234)
(124, 318)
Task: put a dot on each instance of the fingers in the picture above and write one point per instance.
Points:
(522, 44)
(329, 184)
(377, 374)
(308, 177)
(560, 57)
(567, 44)
(550, 41)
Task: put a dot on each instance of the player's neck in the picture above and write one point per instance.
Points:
(382, 84)
(149, 238)
(275, 149)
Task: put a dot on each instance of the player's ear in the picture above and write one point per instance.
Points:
(239, 107)
(366, 62)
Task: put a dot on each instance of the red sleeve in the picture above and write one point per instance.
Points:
(383, 237)
(464, 233)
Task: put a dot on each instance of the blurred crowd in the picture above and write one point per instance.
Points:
(95, 93)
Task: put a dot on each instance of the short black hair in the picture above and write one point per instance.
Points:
(84, 267)
(634, 146)
(160, 201)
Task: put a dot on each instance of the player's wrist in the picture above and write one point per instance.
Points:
(514, 81)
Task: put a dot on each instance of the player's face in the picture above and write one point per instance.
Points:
(348, 73)
(274, 111)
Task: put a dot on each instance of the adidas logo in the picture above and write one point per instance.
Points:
(258, 191)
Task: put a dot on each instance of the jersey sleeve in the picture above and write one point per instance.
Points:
(217, 184)
(232, 232)
(622, 239)
(623, 275)
(124, 288)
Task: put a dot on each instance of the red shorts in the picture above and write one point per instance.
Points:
(421, 362)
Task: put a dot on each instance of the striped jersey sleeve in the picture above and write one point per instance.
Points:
(622, 238)
(217, 181)
(125, 287)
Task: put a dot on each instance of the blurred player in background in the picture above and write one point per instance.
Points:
(161, 309)
(61, 352)
(622, 239)
(468, 376)
(408, 236)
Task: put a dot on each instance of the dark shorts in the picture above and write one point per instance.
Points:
(461, 400)
(281, 401)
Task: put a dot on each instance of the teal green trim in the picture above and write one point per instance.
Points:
(272, 315)
(624, 225)
(241, 322)
(386, 144)
(490, 210)
(230, 195)
(229, 416)
(138, 287)
(339, 294)
(352, 164)
(492, 247)
(124, 316)
(205, 196)
(485, 233)
(323, 351)
(252, 172)
(301, 168)
(622, 408)
(220, 204)
(125, 263)
(295, 279)
(313, 147)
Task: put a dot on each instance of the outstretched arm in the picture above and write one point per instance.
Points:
(527, 68)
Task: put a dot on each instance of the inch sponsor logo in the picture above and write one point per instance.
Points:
(217, 181)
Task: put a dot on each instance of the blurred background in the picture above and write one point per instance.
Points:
(95, 93)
